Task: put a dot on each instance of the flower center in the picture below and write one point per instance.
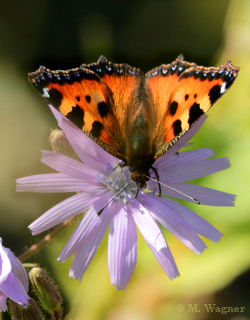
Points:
(118, 181)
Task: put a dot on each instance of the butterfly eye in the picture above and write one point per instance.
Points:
(134, 176)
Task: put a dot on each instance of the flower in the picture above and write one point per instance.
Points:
(97, 178)
(14, 281)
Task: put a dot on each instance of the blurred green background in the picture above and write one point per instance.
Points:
(63, 34)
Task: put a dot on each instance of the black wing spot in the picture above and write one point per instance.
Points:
(96, 130)
(55, 98)
(76, 115)
(173, 108)
(103, 109)
(177, 127)
(195, 95)
(186, 97)
(214, 93)
(195, 113)
(88, 98)
(78, 98)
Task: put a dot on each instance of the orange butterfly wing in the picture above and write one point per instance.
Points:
(96, 97)
(123, 82)
(191, 91)
(160, 83)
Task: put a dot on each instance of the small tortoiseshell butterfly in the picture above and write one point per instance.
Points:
(134, 117)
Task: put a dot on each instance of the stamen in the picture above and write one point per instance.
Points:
(102, 179)
(114, 197)
(153, 192)
(114, 183)
(98, 176)
(110, 169)
(125, 171)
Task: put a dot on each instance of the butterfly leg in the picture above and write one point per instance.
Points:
(121, 165)
(158, 179)
(137, 192)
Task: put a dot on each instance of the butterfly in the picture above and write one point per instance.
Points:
(134, 117)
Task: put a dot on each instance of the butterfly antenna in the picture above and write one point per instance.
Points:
(176, 190)
(113, 198)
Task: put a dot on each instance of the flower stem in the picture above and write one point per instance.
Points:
(40, 244)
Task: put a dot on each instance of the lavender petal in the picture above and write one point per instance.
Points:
(87, 227)
(54, 182)
(205, 195)
(117, 246)
(85, 254)
(69, 166)
(62, 211)
(130, 254)
(176, 225)
(198, 224)
(148, 227)
(189, 171)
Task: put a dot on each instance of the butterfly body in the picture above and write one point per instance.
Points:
(139, 153)
(134, 117)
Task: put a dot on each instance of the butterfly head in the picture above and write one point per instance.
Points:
(139, 161)
(139, 156)
(140, 169)
(140, 179)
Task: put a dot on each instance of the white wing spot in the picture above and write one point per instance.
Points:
(46, 93)
(223, 87)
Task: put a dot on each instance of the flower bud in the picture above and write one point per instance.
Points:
(29, 312)
(45, 290)
(60, 144)
(14, 310)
